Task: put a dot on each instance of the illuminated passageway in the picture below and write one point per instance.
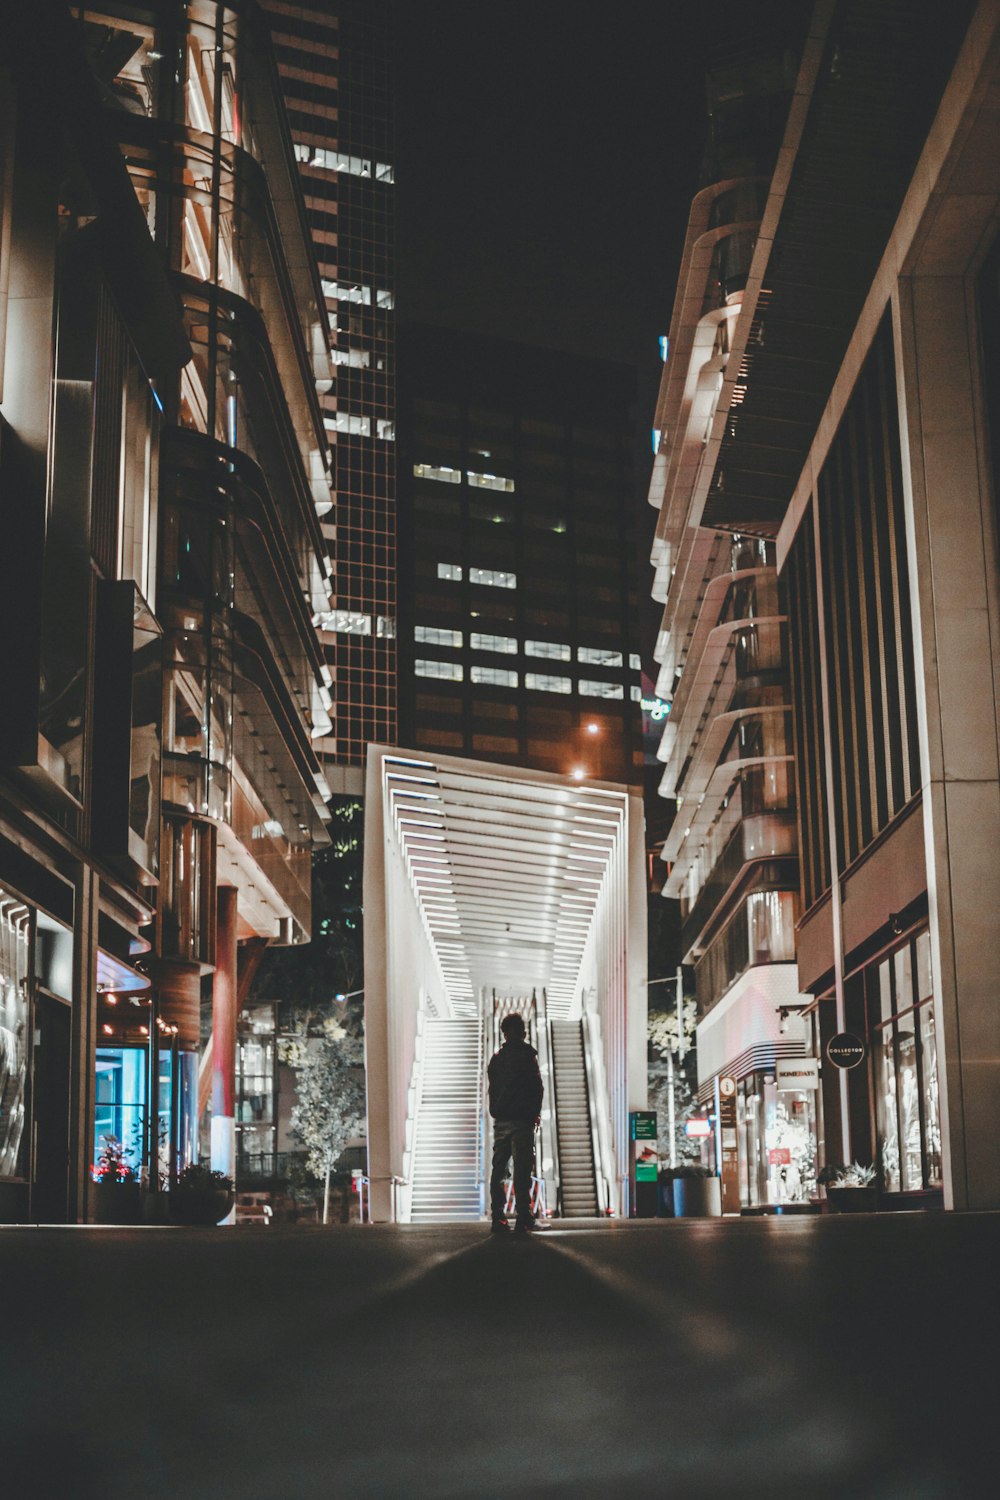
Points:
(489, 888)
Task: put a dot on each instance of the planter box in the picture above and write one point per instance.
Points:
(117, 1203)
(697, 1198)
(852, 1200)
(191, 1208)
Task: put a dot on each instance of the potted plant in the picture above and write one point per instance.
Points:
(697, 1193)
(116, 1187)
(851, 1189)
(200, 1196)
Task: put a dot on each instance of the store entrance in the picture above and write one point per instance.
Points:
(50, 1111)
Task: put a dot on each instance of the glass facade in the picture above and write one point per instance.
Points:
(120, 1110)
(256, 1124)
(904, 1059)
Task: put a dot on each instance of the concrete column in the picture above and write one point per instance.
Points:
(951, 536)
(224, 988)
(84, 1043)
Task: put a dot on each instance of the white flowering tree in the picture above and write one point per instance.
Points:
(665, 1073)
(330, 1096)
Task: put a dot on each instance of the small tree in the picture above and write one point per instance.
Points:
(663, 1059)
(330, 1091)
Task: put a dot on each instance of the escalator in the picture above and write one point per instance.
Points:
(574, 1130)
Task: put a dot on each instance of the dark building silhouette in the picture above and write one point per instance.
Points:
(517, 574)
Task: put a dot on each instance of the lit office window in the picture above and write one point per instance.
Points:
(349, 421)
(494, 676)
(337, 161)
(385, 428)
(386, 627)
(347, 291)
(438, 471)
(450, 571)
(551, 650)
(492, 578)
(358, 359)
(448, 671)
(344, 622)
(505, 643)
(542, 682)
(489, 482)
(593, 689)
(384, 299)
(598, 656)
(434, 635)
(635, 693)
(635, 662)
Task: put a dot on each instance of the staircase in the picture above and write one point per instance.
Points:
(578, 1189)
(448, 1132)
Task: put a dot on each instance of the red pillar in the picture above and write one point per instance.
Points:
(224, 1005)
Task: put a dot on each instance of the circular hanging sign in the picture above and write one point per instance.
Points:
(845, 1050)
(727, 1087)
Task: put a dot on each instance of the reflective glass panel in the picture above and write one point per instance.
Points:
(908, 1085)
(932, 1102)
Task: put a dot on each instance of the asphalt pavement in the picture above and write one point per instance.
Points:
(850, 1357)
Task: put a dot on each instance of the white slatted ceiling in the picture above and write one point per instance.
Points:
(507, 872)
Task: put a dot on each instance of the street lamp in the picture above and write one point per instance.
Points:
(344, 995)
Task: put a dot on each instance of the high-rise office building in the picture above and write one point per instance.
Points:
(334, 62)
(517, 576)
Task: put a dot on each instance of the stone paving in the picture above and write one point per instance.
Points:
(849, 1357)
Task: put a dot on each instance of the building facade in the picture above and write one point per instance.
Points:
(334, 62)
(726, 742)
(854, 428)
(164, 332)
(517, 577)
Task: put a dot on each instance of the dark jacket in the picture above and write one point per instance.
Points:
(515, 1082)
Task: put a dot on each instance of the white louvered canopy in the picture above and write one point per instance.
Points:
(508, 869)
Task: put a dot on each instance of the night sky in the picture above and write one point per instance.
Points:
(547, 152)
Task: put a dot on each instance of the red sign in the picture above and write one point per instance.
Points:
(697, 1127)
(779, 1156)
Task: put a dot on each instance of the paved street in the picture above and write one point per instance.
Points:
(851, 1357)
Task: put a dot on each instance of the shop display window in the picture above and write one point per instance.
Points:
(120, 1106)
(904, 1062)
(15, 937)
(120, 1103)
(777, 1134)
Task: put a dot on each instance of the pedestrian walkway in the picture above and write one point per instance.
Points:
(850, 1357)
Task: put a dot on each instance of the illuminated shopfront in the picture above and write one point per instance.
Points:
(777, 1139)
(15, 933)
(903, 1041)
(120, 1112)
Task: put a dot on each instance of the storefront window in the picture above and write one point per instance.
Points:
(777, 1141)
(120, 1109)
(15, 934)
(904, 1058)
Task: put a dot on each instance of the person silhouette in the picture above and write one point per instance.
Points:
(516, 1092)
